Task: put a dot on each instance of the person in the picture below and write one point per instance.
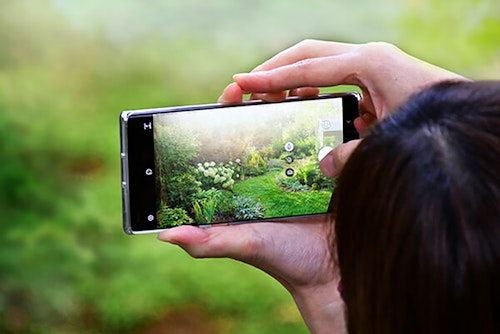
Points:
(418, 210)
(309, 255)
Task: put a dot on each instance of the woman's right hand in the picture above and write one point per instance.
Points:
(386, 76)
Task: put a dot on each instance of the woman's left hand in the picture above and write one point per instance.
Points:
(297, 253)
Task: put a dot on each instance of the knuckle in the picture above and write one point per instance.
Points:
(252, 246)
(306, 43)
(304, 64)
(373, 53)
(384, 48)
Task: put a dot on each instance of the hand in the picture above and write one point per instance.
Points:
(296, 253)
(386, 76)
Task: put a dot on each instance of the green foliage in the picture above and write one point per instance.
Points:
(305, 147)
(212, 193)
(280, 202)
(44, 221)
(204, 211)
(275, 165)
(211, 206)
(254, 164)
(302, 135)
(68, 68)
(247, 209)
(270, 152)
(224, 207)
(170, 217)
(290, 184)
(178, 190)
(467, 27)
(175, 150)
(310, 175)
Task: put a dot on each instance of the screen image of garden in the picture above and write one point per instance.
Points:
(244, 163)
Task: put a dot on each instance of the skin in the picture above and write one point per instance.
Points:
(386, 76)
(297, 252)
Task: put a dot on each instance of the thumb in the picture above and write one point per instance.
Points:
(216, 241)
(190, 238)
(331, 161)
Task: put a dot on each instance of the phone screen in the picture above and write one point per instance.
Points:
(215, 164)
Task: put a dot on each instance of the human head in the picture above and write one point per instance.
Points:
(417, 211)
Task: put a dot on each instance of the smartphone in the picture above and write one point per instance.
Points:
(216, 164)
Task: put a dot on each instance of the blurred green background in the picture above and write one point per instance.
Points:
(67, 68)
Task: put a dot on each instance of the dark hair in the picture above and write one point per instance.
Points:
(417, 211)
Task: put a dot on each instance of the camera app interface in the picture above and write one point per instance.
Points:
(244, 163)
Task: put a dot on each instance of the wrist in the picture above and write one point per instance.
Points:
(321, 307)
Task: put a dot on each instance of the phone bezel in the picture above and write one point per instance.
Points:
(139, 187)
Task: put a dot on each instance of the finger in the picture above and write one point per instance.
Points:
(187, 237)
(317, 72)
(221, 241)
(185, 234)
(304, 50)
(304, 92)
(326, 162)
(363, 122)
(334, 160)
(323, 152)
(232, 94)
(245, 242)
(269, 97)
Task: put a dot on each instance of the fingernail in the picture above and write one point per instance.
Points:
(241, 75)
(323, 152)
(327, 166)
(221, 99)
